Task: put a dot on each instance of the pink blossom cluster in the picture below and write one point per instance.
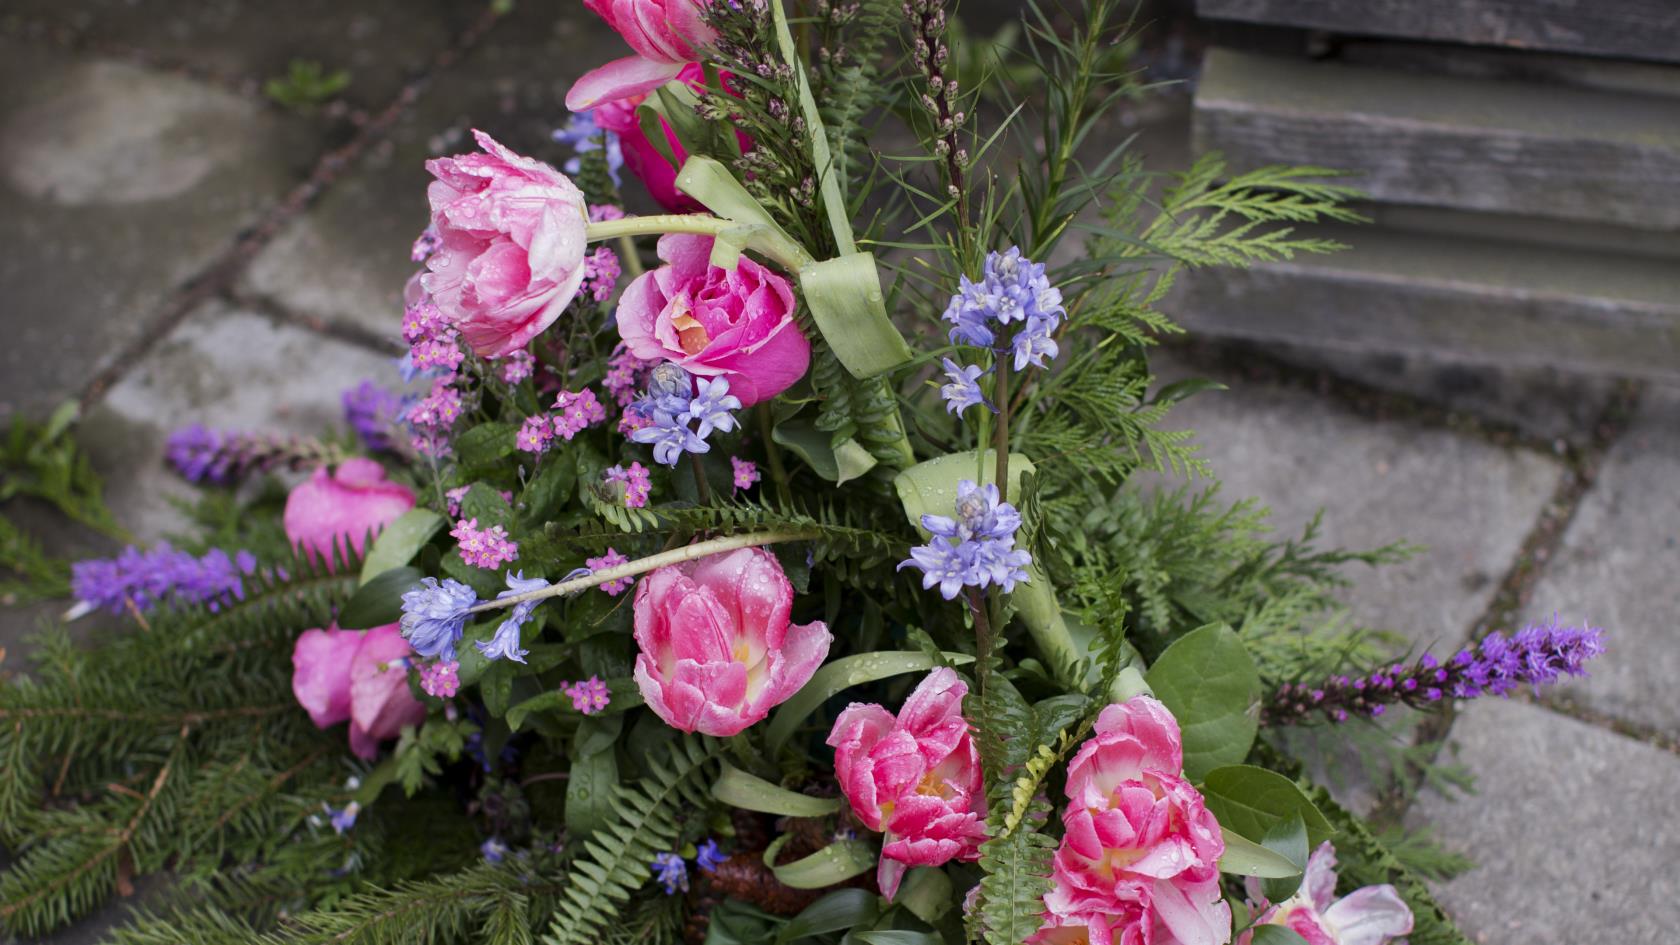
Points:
(746, 472)
(534, 434)
(487, 548)
(611, 559)
(434, 344)
(601, 271)
(626, 374)
(914, 776)
(589, 696)
(518, 366)
(601, 212)
(636, 481)
(432, 416)
(576, 412)
(440, 679)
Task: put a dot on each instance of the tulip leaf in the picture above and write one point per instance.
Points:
(1276, 935)
(846, 302)
(379, 601)
(1288, 838)
(1251, 801)
(1209, 682)
(898, 937)
(842, 674)
(841, 909)
(1244, 857)
(400, 541)
(838, 464)
(926, 892)
(834, 863)
(748, 792)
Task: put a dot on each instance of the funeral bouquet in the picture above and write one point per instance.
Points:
(771, 569)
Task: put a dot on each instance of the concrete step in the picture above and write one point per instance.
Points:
(1454, 298)
(1502, 146)
(1633, 29)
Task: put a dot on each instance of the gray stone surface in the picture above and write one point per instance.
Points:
(347, 259)
(1572, 827)
(225, 368)
(1616, 569)
(1469, 502)
(116, 183)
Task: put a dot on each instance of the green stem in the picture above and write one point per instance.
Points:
(1000, 434)
(657, 224)
(834, 202)
(702, 489)
(628, 256)
(778, 472)
(650, 563)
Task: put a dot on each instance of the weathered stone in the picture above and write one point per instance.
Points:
(347, 259)
(1616, 567)
(1468, 502)
(1571, 828)
(227, 369)
(116, 184)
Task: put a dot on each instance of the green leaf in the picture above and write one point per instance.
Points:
(841, 909)
(737, 788)
(899, 937)
(400, 541)
(589, 792)
(1276, 935)
(1288, 838)
(1244, 857)
(930, 488)
(1251, 801)
(496, 686)
(484, 444)
(926, 892)
(711, 183)
(486, 504)
(1208, 680)
(840, 675)
(598, 733)
(546, 494)
(838, 464)
(834, 863)
(734, 922)
(379, 601)
(845, 299)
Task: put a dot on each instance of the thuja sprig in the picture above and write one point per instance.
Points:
(1534, 656)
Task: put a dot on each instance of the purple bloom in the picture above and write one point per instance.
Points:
(372, 411)
(505, 644)
(1012, 289)
(670, 437)
(1035, 342)
(974, 549)
(581, 133)
(196, 453)
(161, 576)
(712, 404)
(963, 391)
(434, 616)
(671, 872)
(343, 818)
(493, 850)
(709, 856)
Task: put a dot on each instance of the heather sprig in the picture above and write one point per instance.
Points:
(1537, 655)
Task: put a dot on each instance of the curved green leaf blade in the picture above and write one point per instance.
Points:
(1244, 857)
(844, 295)
(1251, 801)
(379, 601)
(400, 541)
(748, 792)
(1288, 838)
(838, 464)
(834, 863)
(1208, 681)
(843, 674)
(841, 909)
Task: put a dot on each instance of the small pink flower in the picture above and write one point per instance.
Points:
(717, 650)
(441, 679)
(636, 481)
(439, 352)
(665, 34)
(715, 322)
(1370, 915)
(513, 239)
(325, 512)
(454, 497)
(487, 548)
(518, 366)
(436, 412)
(611, 559)
(534, 434)
(577, 411)
(599, 212)
(589, 696)
(915, 777)
(746, 472)
(421, 318)
(626, 374)
(600, 273)
(356, 676)
(1139, 842)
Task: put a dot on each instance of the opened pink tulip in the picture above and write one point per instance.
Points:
(717, 650)
(356, 675)
(666, 34)
(512, 234)
(715, 322)
(1139, 843)
(915, 777)
(327, 512)
(1370, 915)
(643, 158)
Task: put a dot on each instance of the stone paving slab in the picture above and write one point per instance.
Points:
(1617, 569)
(226, 368)
(381, 43)
(116, 184)
(1469, 502)
(347, 259)
(1572, 826)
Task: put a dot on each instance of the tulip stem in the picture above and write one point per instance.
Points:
(692, 552)
(701, 488)
(659, 223)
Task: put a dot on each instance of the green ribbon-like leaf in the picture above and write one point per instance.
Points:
(1288, 838)
(398, 543)
(1244, 857)
(1251, 801)
(1209, 681)
(850, 310)
(838, 464)
(589, 790)
(841, 909)
(840, 675)
(709, 182)
(379, 601)
(834, 863)
(737, 788)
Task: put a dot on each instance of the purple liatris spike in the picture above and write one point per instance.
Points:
(161, 576)
(202, 455)
(372, 411)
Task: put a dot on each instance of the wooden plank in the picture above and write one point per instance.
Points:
(1491, 145)
(1455, 299)
(1635, 29)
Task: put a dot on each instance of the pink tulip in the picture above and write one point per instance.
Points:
(715, 322)
(324, 513)
(1370, 915)
(1139, 844)
(511, 257)
(359, 676)
(717, 650)
(666, 34)
(914, 777)
(642, 157)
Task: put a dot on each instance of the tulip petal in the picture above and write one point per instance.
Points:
(1369, 916)
(621, 78)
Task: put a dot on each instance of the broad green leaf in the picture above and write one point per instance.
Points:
(486, 504)
(1244, 857)
(598, 733)
(484, 444)
(734, 922)
(379, 601)
(737, 788)
(1276, 935)
(898, 937)
(398, 543)
(1208, 681)
(834, 863)
(1251, 801)
(1287, 838)
(840, 675)
(841, 909)
(845, 299)
(838, 465)
(589, 792)
(930, 488)
(926, 892)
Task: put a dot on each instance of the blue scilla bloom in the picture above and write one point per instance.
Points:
(581, 133)
(673, 400)
(671, 872)
(505, 644)
(1034, 342)
(975, 548)
(434, 615)
(712, 406)
(1012, 291)
(963, 391)
(670, 436)
(709, 856)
